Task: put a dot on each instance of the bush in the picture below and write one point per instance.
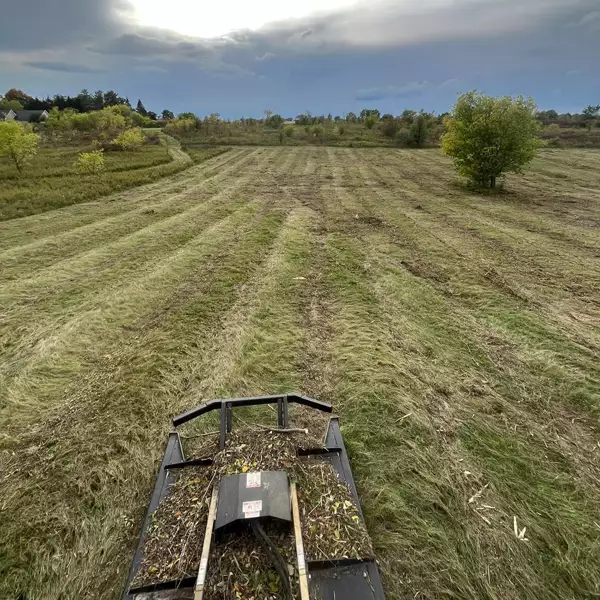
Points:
(18, 143)
(419, 132)
(403, 137)
(489, 136)
(91, 163)
(288, 131)
(130, 140)
(389, 128)
(318, 130)
(370, 121)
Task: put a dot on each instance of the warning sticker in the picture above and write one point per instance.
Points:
(253, 480)
(255, 506)
(252, 515)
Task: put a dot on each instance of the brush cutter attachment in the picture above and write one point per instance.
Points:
(212, 519)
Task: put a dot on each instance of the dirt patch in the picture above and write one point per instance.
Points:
(425, 270)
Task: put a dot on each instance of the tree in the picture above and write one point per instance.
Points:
(85, 102)
(98, 100)
(419, 131)
(487, 137)
(187, 115)
(365, 113)
(18, 95)
(6, 105)
(141, 109)
(590, 114)
(408, 115)
(18, 143)
(167, 115)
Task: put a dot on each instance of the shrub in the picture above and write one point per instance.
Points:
(91, 163)
(288, 130)
(419, 132)
(318, 130)
(389, 128)
(370, 121)
(489, 136)
(130, 140)
(18, 143)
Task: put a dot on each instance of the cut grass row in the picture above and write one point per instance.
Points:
(53, 182)
(439, 323)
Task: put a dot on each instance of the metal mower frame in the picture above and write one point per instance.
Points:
(347, 579)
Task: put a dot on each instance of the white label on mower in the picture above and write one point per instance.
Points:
(252, 509)
(253, 480)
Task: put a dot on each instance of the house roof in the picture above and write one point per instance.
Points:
(25, 115)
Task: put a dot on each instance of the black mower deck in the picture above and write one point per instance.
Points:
(347, 579)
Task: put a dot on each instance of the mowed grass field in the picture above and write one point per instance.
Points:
(456, 334)
(51, 180)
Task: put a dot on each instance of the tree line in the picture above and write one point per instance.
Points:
(84, 102)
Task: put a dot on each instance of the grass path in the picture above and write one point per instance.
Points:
(457, 335)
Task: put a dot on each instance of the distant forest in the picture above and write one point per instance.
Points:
(87, 102)
(84, 102)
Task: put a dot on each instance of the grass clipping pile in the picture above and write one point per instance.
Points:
(238, 567)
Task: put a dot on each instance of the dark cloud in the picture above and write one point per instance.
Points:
(157, 44)
(62, 66)
(385, 49)
(46, 24)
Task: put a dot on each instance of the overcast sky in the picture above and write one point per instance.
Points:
(239, 57)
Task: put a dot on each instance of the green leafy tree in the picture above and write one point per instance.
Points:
(590, 114)
(18, 143)
(6, 105)
(487, 137)
(130, 140)
(167, 114)
(91, 163)
(419, 131)
(365, 113)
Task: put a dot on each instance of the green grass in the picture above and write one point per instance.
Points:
(456, 334)
(51, 180)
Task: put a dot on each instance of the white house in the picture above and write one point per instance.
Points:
(8, 115)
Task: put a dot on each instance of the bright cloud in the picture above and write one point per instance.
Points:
(203, 19)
